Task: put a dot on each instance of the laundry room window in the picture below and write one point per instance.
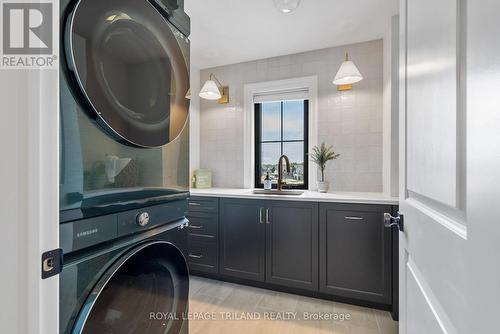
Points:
(281, 127)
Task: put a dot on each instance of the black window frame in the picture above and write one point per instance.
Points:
(258, 145)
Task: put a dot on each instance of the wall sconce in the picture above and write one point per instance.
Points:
(347, 75)
(188, 94)
(213, 90)
(286, 6)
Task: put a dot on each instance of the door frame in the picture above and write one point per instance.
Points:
(31, 200)
(29, 137)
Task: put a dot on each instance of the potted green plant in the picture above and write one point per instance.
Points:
(320, 156)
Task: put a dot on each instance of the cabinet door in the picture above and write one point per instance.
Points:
(292, 244)
(355, 252)
(242, 239)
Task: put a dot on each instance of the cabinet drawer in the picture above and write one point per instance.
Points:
(202, 255)
(203, 204)
(203, 225)
(355, 252)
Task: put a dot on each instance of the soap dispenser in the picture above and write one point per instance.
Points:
(267, 182)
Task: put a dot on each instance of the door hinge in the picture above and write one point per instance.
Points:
(52, 263)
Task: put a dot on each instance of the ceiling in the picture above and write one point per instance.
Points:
(232, 31)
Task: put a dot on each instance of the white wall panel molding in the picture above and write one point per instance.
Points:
(451, 219)
(425, 299)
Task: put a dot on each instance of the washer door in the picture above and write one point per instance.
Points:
(128, 63)
(146, 291)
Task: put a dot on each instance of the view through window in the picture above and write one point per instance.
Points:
(281, 128)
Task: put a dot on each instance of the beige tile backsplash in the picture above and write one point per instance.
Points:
(350, 121)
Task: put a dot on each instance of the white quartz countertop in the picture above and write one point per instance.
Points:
(311, 196)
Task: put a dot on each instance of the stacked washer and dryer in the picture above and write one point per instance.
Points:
(124, 153)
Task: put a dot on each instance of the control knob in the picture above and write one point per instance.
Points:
(142, 219)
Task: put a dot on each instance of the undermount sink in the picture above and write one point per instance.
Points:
(278, 192)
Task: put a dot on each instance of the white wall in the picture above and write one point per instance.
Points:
(350, 121)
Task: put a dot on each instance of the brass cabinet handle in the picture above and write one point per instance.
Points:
(194, 204)
(268, 217)
(194, 256)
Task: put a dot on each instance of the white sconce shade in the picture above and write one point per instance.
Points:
(347, 74)
(210, 91)
(213, 90)
(286, 6)
(188, 94)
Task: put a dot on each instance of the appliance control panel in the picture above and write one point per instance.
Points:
(80, 234)
(145, 218)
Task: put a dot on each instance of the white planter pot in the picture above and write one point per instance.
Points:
(323, 187)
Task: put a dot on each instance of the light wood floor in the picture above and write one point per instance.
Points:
(217, 302)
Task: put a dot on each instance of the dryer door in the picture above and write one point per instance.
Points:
(145, 291)
(130, 68)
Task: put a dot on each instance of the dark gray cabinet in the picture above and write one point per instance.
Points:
(242, 239)
(271, 241)
(355, 252)
(332, 250)
(292, 244)
(203, 234)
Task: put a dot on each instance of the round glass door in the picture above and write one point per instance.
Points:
(129, 64)
(145, 292)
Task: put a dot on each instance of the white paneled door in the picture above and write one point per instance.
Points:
(449, 166)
